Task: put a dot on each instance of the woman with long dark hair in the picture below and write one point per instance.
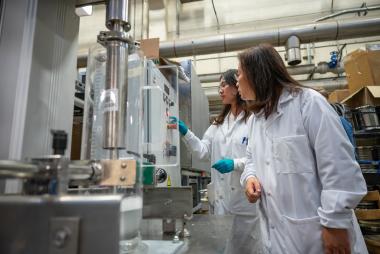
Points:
(300, 162)
(225, 143)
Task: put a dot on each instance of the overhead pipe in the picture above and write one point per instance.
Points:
(293, 50)
(321, 68)
(328, 84)
(313, 32)
(79, 103)
(278, 36)
(354, 10)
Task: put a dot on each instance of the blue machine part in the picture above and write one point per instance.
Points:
(333, 59)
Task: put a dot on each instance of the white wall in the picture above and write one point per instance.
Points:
(197, 19)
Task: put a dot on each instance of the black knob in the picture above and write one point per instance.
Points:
(59, 141)
(161, 175)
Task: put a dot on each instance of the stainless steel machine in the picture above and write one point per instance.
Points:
(194, 111)
(131, 165)
(95, 205)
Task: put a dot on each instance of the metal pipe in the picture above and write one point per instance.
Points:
(177, 10)
(327, 84)
(321, 68)
(312, 32)
(78, 102)
(116, 82)
(339, 13)
(17, 169)
(145, 27)
(293, 50)
(77, 171)
(117, 15)
(116, 94)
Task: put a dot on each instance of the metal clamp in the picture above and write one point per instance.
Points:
(119, 173)
(105, 36)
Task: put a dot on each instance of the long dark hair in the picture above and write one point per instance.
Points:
(230, 77)
(267, 76)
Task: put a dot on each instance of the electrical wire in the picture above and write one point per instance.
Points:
(216, 15)
(341, 51)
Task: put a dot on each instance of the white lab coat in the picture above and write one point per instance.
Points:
(230, 140)
(306, 166)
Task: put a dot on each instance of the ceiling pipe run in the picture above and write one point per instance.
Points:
(321, 68)
(277, 36)
(327, 84)
(365, 9)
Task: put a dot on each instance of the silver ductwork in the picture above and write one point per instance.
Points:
(216, 105)
(278, 36)
(321, 68)
(293, 50)
(327, 84)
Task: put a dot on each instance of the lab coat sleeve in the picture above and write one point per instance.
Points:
(200, 148)
(239, 163)
(343, 185)
(249, 169)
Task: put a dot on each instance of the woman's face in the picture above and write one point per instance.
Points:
(227, 92)
(244, 87)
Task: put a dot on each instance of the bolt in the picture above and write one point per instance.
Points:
(123, 165)
(176, 239)
(61, 237)
(122, 178)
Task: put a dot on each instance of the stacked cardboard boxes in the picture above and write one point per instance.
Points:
(362, 69)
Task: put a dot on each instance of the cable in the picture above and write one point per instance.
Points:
(341, 51)
(216, 15)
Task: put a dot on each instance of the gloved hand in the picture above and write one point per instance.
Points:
(181, 125)
(224, 165)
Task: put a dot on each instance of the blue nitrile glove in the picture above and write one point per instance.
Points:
(181, 125)
(225, 165)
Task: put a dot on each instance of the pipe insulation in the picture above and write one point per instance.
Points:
(328, 84)
(321, 68)
(277, 36)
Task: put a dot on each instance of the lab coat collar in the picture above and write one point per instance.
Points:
(285, 97)
(224, 129)
(238, 118)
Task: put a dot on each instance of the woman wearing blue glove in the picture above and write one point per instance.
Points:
(225, 143)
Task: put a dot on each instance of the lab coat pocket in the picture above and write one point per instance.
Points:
(292, 154)
(302, 235)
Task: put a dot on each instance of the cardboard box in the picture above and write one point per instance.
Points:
(338, 95)
(369, 95)
(76, 138)
(362, 69)
(151, 48)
